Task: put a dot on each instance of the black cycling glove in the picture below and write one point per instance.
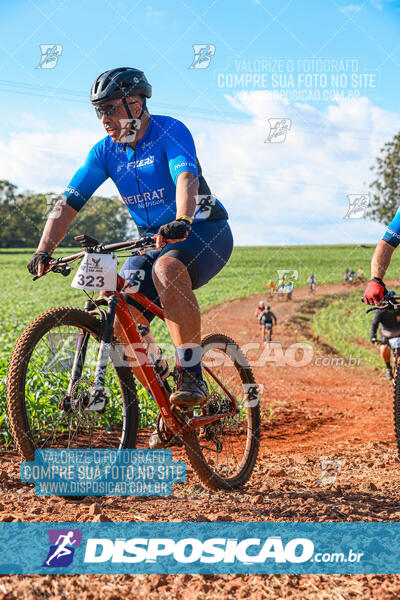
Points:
(39, 258)
(176, 230)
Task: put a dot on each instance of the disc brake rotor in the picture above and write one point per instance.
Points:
(79, 400)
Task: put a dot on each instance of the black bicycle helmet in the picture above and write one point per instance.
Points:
(119, 83)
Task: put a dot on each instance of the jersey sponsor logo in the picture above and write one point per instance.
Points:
(145, 197)
(130, 166)
(392, 233)
(74, 192)
(145, 162)
(184, 164)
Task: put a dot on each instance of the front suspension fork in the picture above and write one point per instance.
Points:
(97, 398)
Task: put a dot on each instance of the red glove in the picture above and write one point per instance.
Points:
(375, 291)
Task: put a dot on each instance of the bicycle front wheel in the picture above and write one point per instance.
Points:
(38, 379)
(223, 453)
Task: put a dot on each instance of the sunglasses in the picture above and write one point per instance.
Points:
(109, 109)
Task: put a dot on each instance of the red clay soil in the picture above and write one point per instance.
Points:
(308, 413)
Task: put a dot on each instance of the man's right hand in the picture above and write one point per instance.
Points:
(38, 262)
(374, 340)
(375, 291)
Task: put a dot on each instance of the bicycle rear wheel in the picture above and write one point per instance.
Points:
(37, 382)
(223, 453)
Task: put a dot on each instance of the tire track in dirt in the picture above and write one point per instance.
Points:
(313, 407)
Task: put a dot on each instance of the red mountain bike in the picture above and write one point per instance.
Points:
(70, 385)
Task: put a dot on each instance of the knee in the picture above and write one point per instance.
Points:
(169, 273)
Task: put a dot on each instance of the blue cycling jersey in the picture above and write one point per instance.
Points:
(392, 233)
(146, 176)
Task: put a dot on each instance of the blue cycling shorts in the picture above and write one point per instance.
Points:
(204, 252)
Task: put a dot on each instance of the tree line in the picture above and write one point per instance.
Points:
(23, 216)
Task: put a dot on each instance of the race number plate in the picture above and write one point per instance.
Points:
(96, 272)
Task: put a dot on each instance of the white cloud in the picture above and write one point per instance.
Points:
(289, 193)
(42, 160)
(296, 191)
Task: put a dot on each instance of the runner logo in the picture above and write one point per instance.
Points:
(202, 56)
(358, 204)
(61, 551)
(330, 470)
(50, 55)
(287, 274)
(204, 205)
(278, 129)
(134, 278)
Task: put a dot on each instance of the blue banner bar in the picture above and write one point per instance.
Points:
(207, 548)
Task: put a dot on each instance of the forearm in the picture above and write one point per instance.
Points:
(381, 259)
(187, 187)
(373, 331)
(56, 226)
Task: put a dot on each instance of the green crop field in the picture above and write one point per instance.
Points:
(246, 273)
(345, 325)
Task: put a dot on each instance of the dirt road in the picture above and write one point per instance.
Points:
(310, 413)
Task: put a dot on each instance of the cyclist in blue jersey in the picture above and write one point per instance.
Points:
(380, 261)
(152, 161)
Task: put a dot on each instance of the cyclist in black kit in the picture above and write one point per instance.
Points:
(389, 320)
(266, 320)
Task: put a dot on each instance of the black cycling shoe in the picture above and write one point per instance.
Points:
(192, 391)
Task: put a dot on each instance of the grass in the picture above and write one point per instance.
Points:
(246, 273)
(345, 325)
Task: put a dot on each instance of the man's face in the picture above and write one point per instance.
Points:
(115, 118)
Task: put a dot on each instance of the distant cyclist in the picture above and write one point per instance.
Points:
(360, 275)
(260, 308)
(288, 289)
(389, 320)
(270, 287)
(312, 282)
(267, 320)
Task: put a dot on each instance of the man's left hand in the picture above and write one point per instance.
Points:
(175, 231)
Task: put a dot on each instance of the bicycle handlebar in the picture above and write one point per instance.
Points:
(388, 301)
(60, 265)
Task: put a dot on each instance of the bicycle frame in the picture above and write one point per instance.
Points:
(159, 392)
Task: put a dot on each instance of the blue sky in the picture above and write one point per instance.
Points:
(294, 192)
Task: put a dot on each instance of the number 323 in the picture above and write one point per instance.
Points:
(90, 280)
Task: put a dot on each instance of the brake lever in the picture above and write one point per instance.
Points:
(42, 275)
(56, 268)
